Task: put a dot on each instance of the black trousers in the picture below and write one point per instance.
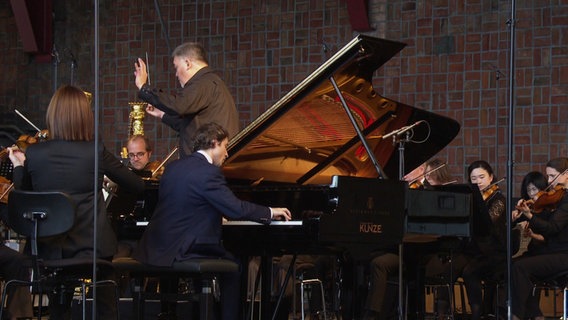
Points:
(527, 270)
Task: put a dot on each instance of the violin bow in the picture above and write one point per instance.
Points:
(27, 120)
(164, 161)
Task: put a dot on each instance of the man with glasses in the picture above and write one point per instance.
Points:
(139, 153)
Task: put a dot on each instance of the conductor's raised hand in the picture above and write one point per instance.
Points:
(281, 214)
(140, 73)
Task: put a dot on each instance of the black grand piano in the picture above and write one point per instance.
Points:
(330, 150)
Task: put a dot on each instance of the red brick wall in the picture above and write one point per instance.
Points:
(456, 63)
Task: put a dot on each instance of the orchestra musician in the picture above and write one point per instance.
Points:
(533, 183)
(385, 264)
(193, 198)
(204, 96)
(552, 225)
(65, 163)
(436, 173)
(484, 254)
(139, 153)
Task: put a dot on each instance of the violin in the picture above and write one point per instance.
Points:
(547, 199)
(491, 189)
(5, 187)
(418, 183)
(157, 168)
(22, 144)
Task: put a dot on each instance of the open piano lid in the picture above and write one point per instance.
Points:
(307, 136)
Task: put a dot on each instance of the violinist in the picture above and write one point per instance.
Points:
(552, 256)
(139, 154)
(484, 254)
(65, 163)
(436, 173)
(385, 263)
(533, 183)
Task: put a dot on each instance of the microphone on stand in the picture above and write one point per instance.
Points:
(74, 64)
(402, 130)
(55, 54)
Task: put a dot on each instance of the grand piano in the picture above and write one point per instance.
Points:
(332, 150)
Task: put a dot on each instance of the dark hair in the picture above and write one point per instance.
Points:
(206, 136)
(140, 137)
(537, 178)
(479, 164)
(192, 50)
(558, 164)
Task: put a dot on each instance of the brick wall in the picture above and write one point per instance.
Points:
(456, 63)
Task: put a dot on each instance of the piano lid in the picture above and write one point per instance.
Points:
(307, 136)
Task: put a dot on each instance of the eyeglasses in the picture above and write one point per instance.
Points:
(136, 155)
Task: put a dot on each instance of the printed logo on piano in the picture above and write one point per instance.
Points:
(370, 227)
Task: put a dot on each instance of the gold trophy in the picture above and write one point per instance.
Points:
(136, 117)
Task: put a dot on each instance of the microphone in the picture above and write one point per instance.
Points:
(73, 60)
(55, 54)
(402, 130)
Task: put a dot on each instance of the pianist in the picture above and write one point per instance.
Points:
(193, 198)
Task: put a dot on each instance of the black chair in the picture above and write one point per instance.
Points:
(204, 270)
(38, 215)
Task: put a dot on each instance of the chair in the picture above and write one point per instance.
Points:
(38, 215)
(200, 269)
(555, 283)
(302, 282)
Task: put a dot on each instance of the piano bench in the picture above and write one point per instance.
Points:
(204, 270)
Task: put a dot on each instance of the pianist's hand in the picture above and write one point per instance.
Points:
(281, 214)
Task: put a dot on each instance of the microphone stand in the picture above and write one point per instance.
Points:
(56, 62)
(401, 142)
(510, 149)
(73, 67)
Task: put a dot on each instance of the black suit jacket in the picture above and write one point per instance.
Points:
(68, 166)
(204, 98)
(187, 222)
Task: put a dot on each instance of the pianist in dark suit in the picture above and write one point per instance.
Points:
(193, 199)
